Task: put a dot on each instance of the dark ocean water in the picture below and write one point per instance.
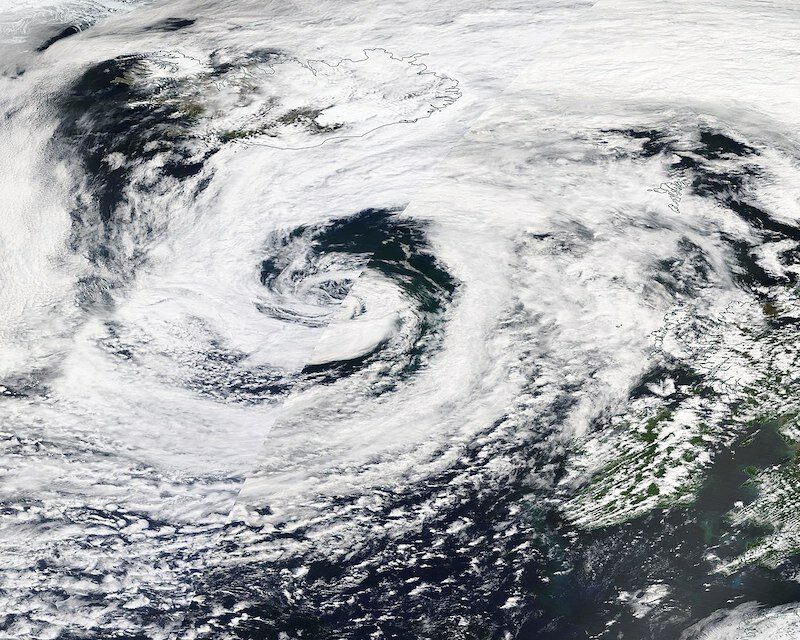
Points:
(301, 385)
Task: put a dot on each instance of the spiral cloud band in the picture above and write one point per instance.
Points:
(400, 320)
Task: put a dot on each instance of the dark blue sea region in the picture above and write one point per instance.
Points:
(389, 244)
(66, 32)
(518, 565)
(107, 113)
(572, 578)
(323, 255)
(174, 24)
(664, 548)
(671, 548)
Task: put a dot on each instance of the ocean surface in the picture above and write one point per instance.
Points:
(399, 320)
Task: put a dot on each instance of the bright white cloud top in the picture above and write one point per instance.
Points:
(392, 320)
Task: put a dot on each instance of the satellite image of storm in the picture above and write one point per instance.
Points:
(399, 320)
